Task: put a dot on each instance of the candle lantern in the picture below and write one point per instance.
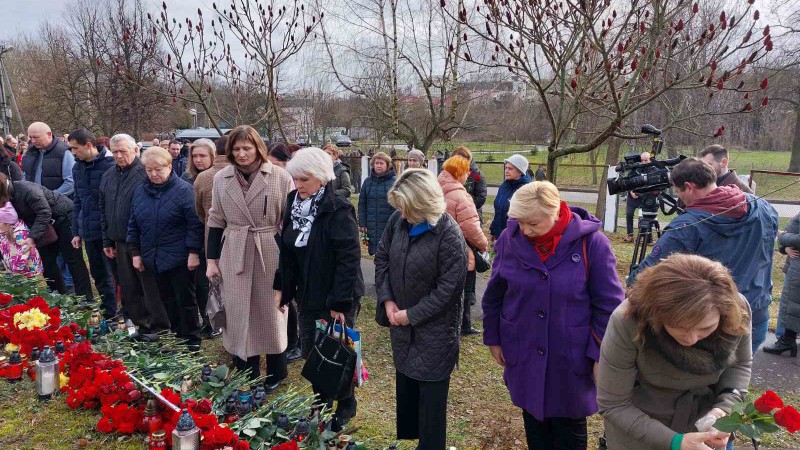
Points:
(230, 413)
(121, 328)
(331, 445)
(14, 367)
(186, 435)
(77, 338)
(245, 401)
(300, 430)
(151, 421)
(47, 374)
(259, 397)
(94, 320)
(34, 356)
(104, 327)
(343, 441)
(60, 349)
(283, 422)
(158, 440)
(205, 374)
(186, 385)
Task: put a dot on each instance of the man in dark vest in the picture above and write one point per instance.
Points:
(92, 163)
(48, 161)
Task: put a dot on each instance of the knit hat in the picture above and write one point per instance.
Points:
(518, 161)
(8, 214)
(418, 155)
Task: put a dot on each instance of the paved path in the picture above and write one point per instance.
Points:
(779, 373)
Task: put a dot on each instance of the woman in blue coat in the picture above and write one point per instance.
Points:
(553, 288)
(515, 177)
(374, 209)
(165, 239)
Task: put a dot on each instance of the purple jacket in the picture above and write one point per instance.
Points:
(548, 318)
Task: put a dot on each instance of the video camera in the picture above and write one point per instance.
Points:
(642, 177)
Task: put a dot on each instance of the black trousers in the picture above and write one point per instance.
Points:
(631, 204)
(422, 411)
(276, 367)
(469, 295)
(72, 256)
(176, 288)
(293, 326)
(140, 296)
(346, 407)
(201, 287)
(556, 433)
(101, 273)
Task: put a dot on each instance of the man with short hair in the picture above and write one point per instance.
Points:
(156, 142)
(717, 156)
(142, 303)
(48, 160)
(179, 161)
(724, 224)
(92, 163)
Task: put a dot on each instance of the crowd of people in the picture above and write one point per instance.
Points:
(273, 230)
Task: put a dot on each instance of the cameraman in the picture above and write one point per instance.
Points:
(724, 224)
(717, 156)
(633, 202)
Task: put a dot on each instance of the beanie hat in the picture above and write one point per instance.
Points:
(8, 214)
(418, 155)
(518, 161)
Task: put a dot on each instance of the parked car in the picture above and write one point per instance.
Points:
(343, 141)
(303, 141)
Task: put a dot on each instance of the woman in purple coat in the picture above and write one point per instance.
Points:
(553, 288)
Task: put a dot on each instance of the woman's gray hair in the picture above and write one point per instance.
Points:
(416, 193)
(122, 137)
(311, 161)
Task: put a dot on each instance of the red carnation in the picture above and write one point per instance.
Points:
(767, 402)
(242, 445)
(788, 418)
(5, 299)
(203, 407)
(104, 426)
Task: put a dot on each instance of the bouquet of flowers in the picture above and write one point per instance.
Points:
(33, 324)
(765, 415)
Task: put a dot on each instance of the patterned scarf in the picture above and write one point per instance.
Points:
(303, 214)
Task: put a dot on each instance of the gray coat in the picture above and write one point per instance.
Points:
(342, 183)
(646, 399)
(424, 275)
(790, 295)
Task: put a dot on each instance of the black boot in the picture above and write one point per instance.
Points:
(787, 342)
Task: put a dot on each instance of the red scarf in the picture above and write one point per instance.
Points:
(546, 244)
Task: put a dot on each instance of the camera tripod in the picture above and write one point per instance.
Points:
(648, 224)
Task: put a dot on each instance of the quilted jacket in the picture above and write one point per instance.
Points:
(86, 202)
(163, 227)
(424, 275)
(374, 209)
(461, 208)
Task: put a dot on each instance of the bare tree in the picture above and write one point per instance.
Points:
(605, 61)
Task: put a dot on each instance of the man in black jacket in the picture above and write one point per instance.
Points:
(49, 217)
(141, 301)
(92, 163)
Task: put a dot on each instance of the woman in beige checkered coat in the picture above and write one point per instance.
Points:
(248, 201)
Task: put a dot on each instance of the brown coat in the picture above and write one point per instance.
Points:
(249, 258)
(732, 178)
(203, 184)
(645, 399)
(461, 207)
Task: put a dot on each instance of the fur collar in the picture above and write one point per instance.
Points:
(707, 356)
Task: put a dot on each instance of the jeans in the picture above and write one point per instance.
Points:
(759, 334)
(65, 272)
(99, 268)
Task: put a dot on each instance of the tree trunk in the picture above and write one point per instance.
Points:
(794, 163)
(612, 157)
(593, 155)
(552, 166)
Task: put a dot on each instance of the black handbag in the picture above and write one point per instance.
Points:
(482, 262)
(331, 365)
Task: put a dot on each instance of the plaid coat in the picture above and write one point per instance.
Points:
(249, 258)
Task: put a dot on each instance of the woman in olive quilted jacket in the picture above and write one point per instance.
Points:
(420, 268)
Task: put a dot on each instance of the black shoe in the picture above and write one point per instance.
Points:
(270, 388)
(145, 337)
(207, 332)
(296, 354)
(470, 331)
(783, 345)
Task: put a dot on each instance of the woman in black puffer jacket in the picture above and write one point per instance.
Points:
(420, 269)
(374, 209)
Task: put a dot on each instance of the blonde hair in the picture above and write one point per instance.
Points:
(201, 143)
(383, 156)
(416, 193)
(311, 161)
(333, 149)
(534, 197)
(680, 291)
(157, 154)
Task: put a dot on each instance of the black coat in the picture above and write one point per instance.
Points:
(424, 275)
(86, 201)
(332, 269)
(9, 167)
(38, 206)
(116, 194)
